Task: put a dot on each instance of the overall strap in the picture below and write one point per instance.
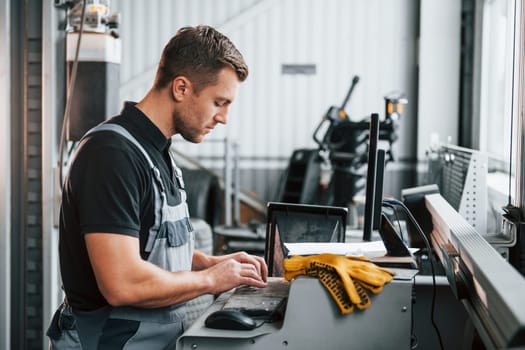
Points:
(122, 131)
(160, 193)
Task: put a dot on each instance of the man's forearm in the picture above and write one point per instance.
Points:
(124, 278)
(156, 287)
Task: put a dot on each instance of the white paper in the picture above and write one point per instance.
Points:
(368, 249)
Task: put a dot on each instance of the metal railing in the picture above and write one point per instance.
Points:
(229, 182)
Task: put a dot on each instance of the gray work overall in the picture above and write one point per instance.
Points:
(170, 246)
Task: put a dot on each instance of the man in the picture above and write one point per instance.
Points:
(126, 242)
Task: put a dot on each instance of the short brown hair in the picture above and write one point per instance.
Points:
(198, 53)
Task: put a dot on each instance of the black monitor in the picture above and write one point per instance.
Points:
(374, 219)
(378, 192)
(373, 139)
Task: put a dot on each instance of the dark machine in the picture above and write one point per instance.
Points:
(342, 152)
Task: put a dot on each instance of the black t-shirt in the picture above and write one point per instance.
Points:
(109, 188)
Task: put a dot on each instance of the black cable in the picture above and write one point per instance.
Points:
(393, 207)
(399, 225)
(397, 219)
(400, 204)
(71, 89)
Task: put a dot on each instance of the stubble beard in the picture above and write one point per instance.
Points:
(180, 125)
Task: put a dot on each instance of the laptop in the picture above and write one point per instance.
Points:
(292, 223)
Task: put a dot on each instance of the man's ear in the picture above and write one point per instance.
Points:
(180, 88)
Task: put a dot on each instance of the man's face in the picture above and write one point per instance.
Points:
(200, 113)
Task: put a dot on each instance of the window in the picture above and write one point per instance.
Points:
(497, 82)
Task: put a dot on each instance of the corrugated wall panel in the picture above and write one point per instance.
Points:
(275, 113)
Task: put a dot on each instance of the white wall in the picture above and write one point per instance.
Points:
(439, 63)
(274, 113)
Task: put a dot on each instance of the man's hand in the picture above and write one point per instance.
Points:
(230, 271)
(254, 260)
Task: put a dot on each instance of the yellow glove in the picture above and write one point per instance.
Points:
(297, 264)
(346, 277)
(302, 266)
(341, 287)
(359, 269)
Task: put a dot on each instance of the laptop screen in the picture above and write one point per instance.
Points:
(292, 223)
